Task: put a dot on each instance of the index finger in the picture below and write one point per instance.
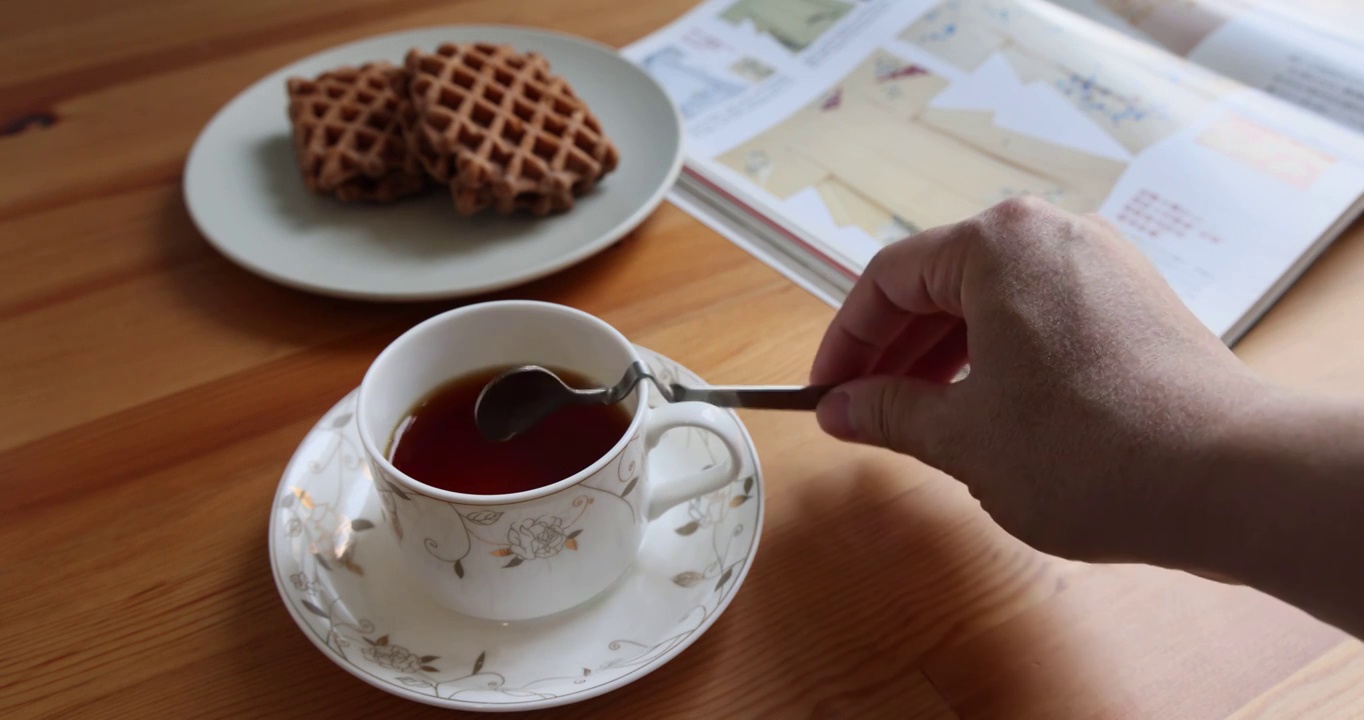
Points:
(903, 281)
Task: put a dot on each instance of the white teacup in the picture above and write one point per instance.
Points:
(527, 554)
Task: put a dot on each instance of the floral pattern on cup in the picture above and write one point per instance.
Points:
(527, 539)
(538, 538)
(541, 537)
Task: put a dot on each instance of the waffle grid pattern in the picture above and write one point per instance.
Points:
(349, 137)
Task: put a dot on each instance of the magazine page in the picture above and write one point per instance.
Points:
(844, 125)
(1307, 52)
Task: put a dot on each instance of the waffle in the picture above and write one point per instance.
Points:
(350, 136)
(502, 131)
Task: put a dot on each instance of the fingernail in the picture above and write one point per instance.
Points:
(833, 417)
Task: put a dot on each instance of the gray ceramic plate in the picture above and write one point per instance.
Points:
(244, 191)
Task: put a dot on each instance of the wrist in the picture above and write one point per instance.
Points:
(1262, 499)
(1273, 500)
(1211, 493)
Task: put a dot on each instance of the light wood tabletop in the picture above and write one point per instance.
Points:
(151, 393)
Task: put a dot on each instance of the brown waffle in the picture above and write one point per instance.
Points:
(503, 131)
(349, 134)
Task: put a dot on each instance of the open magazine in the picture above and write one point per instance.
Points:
(1224, 137)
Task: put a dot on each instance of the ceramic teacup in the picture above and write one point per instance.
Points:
(528, 554)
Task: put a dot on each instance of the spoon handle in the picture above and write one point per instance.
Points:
(757, 397)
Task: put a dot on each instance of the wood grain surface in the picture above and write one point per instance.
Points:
(151, 393)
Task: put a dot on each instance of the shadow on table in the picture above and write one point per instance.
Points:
(868, 572)
(857, 580)
(232, 297)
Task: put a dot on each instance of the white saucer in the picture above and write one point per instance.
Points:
(336, 566)
(245, 193)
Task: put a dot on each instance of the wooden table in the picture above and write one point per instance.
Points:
(151, 392)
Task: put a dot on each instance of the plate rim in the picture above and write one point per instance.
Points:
(597, 691)
(555, 265)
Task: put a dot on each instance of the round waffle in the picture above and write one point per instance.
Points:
(502, 131)
(349, 136)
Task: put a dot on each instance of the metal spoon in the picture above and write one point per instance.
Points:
(518, 399)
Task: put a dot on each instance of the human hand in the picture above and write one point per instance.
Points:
(1093, 393)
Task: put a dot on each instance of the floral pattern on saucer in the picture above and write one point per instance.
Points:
(338, 574)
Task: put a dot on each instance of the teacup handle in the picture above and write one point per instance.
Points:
(704, 417)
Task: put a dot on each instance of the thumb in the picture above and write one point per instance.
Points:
(904, 414)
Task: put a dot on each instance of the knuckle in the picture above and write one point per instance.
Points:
(887, 262)
(878, 261)
(1020, 209)
(1022, 227)
(982, 237)
(888, 422)
(1009, 224)
(899, 427)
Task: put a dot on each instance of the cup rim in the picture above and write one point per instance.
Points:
(410, 483)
